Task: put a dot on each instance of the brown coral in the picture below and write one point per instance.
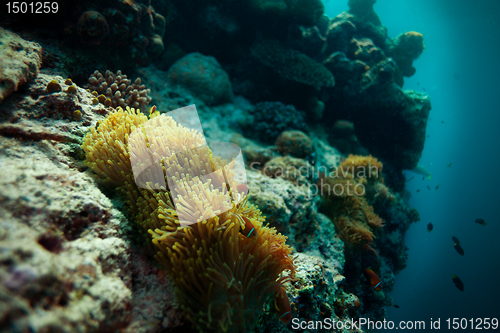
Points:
(345, 198)
(352, 216)
(367, 170)
(296, 143)
(119, 90)
(405, 49)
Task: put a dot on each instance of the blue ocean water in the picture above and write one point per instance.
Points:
(459, 69)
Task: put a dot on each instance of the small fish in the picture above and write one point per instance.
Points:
(282, 305)
(374, 279)
(428, 187)
(459, 249)
(248, 230)
(458, 283)
(442, 121)
(437, 186)
(481, 222)
(396, 306)
(430, 227)
(410, 178)
(423, 178)
(449, 165)
(418, 191)
(455, 240)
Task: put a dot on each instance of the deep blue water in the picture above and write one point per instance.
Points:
(460, 70)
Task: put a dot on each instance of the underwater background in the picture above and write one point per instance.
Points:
(458, 69)
(293, 89)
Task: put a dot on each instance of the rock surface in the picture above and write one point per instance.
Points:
(21, 61)
(68, 262)
(204, 76)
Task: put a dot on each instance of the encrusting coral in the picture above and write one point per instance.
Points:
(223, 277)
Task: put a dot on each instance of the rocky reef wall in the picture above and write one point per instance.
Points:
(316, 105)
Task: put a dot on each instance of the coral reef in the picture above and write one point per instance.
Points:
(296, 90)
(21, 61)
(117, 90)
(204, 77)
(317, 292)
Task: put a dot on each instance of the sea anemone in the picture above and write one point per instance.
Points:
(192, 217)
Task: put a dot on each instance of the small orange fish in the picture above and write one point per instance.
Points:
(374, 279)
(249, 230)
(282, 305)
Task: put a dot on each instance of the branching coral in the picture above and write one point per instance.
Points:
(223, 277)
(116, 90)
